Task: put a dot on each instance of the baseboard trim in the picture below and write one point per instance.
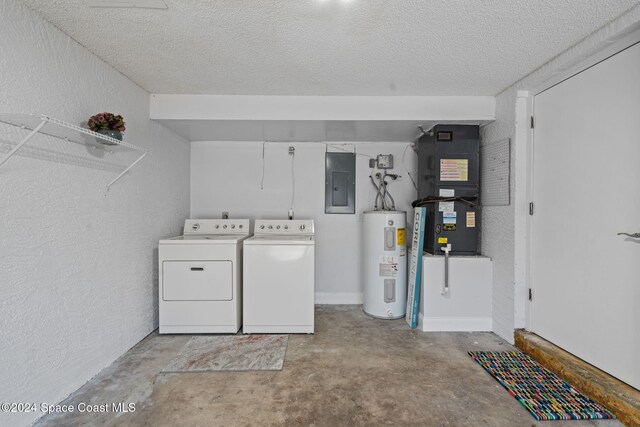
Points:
(335, 298)
(455, 324)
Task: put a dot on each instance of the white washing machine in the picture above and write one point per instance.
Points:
(279, 263)
(200, 277)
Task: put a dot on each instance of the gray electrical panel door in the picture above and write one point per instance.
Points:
(340, 183)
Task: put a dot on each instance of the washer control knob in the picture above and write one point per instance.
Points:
(262, 227)
(302, 227)
(286, 227)
(278, 227)
(233, 226)
(271, 227)
(195, 226)
(217, 226)
(224, 226)
(240, 226)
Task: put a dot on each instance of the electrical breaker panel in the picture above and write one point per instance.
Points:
(340, 183)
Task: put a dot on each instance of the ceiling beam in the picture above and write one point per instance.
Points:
(353, 108)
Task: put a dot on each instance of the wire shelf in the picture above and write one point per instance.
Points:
(69, 132)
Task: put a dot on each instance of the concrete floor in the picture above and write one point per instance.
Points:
(354, 371)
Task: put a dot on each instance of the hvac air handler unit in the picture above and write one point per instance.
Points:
(449, 187)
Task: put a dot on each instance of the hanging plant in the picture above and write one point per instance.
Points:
(108, 124)
(105, 122)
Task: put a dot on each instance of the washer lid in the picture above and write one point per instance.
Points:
(204, 239)
(275, 239)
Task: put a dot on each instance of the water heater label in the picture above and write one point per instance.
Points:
(388, 266)
(454, 169)
(443, 240)
(401, 236)
(388, 270)
(446, 192)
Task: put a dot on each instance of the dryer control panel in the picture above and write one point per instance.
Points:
(217, 226)
(284, 226)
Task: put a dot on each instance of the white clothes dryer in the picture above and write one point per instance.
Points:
(200, 277)
(279, 264)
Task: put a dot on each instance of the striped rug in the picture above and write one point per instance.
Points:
(539, 390)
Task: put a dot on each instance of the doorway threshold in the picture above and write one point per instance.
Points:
(617, 396)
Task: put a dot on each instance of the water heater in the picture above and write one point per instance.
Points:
(384, 254)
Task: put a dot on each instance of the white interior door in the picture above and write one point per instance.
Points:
(586, 188)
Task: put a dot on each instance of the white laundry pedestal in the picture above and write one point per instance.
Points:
(467, 304)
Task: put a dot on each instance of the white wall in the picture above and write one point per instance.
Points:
(504, 233)
(498, 226)
(77, 265)
(226, 176)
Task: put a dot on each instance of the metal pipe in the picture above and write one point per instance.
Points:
(383, 191)
(375, 204)
(445, 287)
(393, 202)
(386, 191)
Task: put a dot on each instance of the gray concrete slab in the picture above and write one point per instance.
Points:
(354, 371)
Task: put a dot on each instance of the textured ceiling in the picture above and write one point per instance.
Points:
(331, 47)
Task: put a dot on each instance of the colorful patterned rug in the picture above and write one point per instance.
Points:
(209, 353)
(539, 390)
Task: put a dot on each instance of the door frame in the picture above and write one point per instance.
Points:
(523, 165)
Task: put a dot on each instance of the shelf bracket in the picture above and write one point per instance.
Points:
(24, 141)
(127, 169)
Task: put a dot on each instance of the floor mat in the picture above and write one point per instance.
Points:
(231, 353)
(539, 390)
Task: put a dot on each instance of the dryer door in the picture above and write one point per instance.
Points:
(197, 281)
